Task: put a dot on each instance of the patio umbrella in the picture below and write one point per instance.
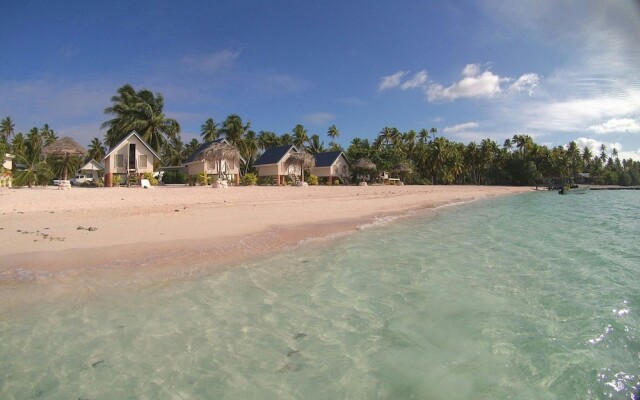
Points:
(218, 152)
(303, 159)
(65, 148)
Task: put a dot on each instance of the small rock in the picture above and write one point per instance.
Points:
(92, 229)
(80, 228)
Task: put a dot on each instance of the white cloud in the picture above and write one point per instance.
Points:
(318, 118)
(617, 125)
(594, 146)
(474, 84)
(391, 81)
(460, 128)
(418, 80)
(526, 83)
(211, 63)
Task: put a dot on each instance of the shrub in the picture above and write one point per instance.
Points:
(202, 179)
(117, 180)
(249, 179)
(266, 180)
(312, 180)
(152, 180)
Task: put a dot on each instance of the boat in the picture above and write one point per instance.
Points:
(574, 189)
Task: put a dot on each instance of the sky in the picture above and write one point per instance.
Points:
(557, 70)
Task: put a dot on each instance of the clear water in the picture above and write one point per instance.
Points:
(534, 296)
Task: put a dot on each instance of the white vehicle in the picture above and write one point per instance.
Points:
(80, 179)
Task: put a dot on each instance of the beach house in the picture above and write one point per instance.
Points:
(92, 170)
(129, 159)
(332, 164)
(228, 169)
(5, 171)
(273, 163)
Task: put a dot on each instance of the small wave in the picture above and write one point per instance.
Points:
(600, 338)
(379, 221)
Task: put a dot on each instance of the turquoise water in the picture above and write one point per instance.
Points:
(533, 296)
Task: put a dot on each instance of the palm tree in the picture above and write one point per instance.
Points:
(249, 149)
(191, 147)
(423, 135)
(267, 139)
(142, 112)
(333, 133)
(603, 152)
(36, 170)
(285, 139)
(209, 130)
(97, 151)
(234, 129)
(173, 152)
(300, 137)
(48, 135)
(315, 145)
(18, 143)
(6, 128)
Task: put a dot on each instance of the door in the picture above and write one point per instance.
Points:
(132, 156)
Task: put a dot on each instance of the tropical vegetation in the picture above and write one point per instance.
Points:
(417, 156)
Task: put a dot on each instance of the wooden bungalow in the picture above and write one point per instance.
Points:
(5, 171)
(332, 164)
(196, 164)
(130, 159)
(273, 163)
(92, 169)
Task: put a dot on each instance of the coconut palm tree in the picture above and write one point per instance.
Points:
(6, 128)
(191, 147)
(300, 137)
(142, 112)
(97, 151)
(249, 149)
(36, 170)
(234, 129)
(18, 143)
(423, 135)
(267, 139)
(315, 145)
(209, 130)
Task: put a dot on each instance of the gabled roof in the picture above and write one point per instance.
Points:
(195, 156)
(328, 158)
(126, 140)
(92, 165)
(274, 155)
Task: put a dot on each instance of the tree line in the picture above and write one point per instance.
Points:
(419, 157)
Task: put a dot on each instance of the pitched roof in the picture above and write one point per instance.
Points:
(196, 154)
(327, 159)
(125, 140)
(274, 155)
(92, 165)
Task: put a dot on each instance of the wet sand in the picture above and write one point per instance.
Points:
(47, 232)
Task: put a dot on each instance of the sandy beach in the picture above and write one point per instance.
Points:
(45, 231)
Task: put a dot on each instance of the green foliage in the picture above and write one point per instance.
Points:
(117, 180)
(249, 179)
(174, 177)
(202, 179)
(152, 180)
(36, 171)
(267, 180)
(312, 180)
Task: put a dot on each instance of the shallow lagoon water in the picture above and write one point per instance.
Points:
(533, 296)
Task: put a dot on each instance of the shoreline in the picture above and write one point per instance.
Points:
(50, 234)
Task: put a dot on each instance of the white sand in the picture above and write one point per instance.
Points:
(179, 226)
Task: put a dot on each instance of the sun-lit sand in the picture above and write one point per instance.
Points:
(45, 231)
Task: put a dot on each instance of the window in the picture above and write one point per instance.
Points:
(142, 161)
(119, 160)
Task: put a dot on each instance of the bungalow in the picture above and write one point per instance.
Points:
(131, 158)
(93, 170)
(332, 164)
(196, 164)
(5, 171)
(273, 163)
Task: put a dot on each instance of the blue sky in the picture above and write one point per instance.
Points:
(556, 70)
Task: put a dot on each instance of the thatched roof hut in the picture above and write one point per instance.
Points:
(303, 159)
(66, 148)
(219, 152)
(364, 164)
